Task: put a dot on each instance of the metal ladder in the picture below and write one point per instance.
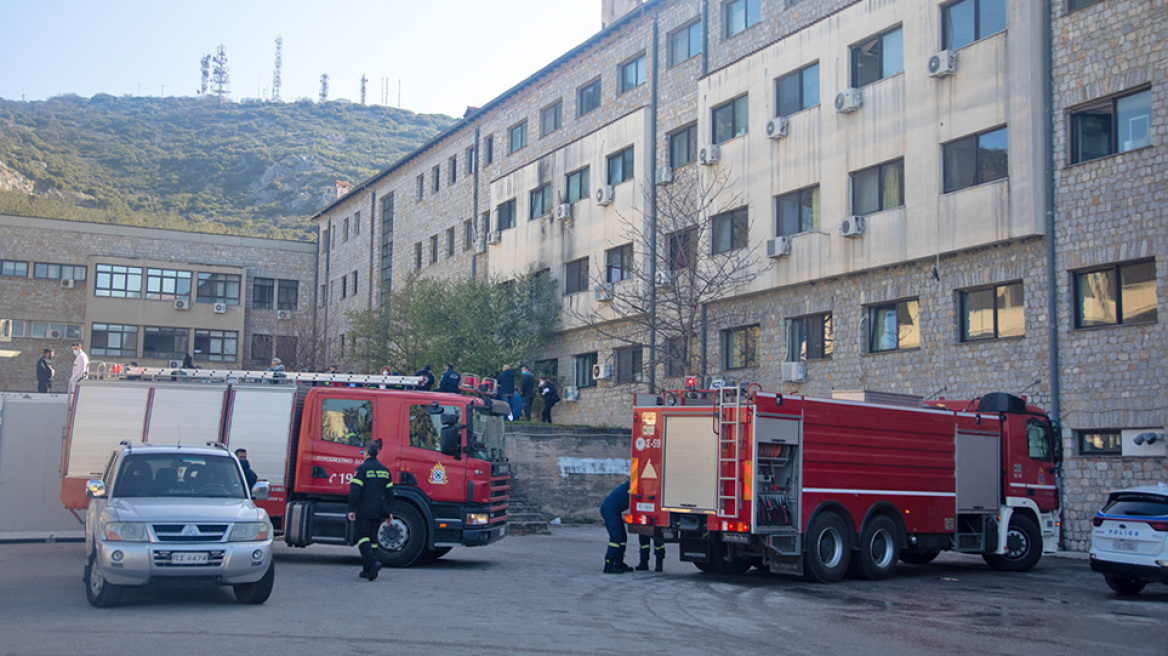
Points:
(729, 425)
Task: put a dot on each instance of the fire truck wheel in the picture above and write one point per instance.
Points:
(828, 549)
(435, 553)
(258, 592)
(99, 592)
(918, 556)
(878, 551)
(401, 542)
(1023, 546)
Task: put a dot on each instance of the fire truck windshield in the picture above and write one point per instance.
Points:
(488, 441)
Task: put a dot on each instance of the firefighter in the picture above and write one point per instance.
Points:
(370, 496)
(658, 551)
(612, 510)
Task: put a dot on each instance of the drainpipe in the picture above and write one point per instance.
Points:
(705, 328)
(372, 247)
(328, 248)
(316, 301)
(653, 217)
(474, 215)
(1051, 248)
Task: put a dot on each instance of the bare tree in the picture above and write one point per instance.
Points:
(702, 256)
(221, 75)
(204, 74)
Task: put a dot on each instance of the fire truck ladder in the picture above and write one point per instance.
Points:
(729, 427)
(106, 371)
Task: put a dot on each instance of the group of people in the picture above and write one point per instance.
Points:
(522, 400)
(45, 371)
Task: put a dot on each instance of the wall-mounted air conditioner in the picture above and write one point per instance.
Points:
(776, 128)
(794, 372)
(778, 247)
(563, 211)
(605, 195)
(54, 334)
(853, 226)
(943, 64)
(604, 292)
(219, 308)
(602, 371)
(494, 236)
(664, 174)
(182, 304)
(663, 278)
(571, 393)
(283, 315)
(848, 101)
(173, 364)
(68, 283)
(709, 155)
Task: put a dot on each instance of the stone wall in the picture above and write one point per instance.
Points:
(567, 471)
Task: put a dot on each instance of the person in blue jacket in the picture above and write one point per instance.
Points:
(612, 510)
(450, 380)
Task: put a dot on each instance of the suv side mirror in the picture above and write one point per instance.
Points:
(261, 490)
(95, 488)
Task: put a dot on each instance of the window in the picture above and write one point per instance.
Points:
(345, 286)
(467, 235)
(551, 118)
(992, 312)
(683, 146)
(1114, 125)
(517, 137)
(452, 164)
(893, 327)
(576, 276)
(740, 347)
(418, 255)
(629, 364)
(263, 293)
(797, 91)
(738, 15)
(434, 249)
(966, 21)
(346, 421)
(1100, 443)
(539, 202)
(809, 338)
(323, 295)
(13, 268)
(685, 43)
(387, 238)
(505, 214)
(1079, 4)
(353, 278)
(164, 343)
(682, 247)
(170, 285)
(345, 232)
(288, 295)
(1038, 440)
(582, 369)
(588, 97)
(975, 160)
(113, 340)
(326, 238)
(450, 242)
(286, 349)
(877, 58)
(578, 185)
(116, 281)
(633, 73)
(14, 328)
(729, 231)
(618, 263)
(731, 119)
(261, 349)
(682, 356)
(1117, 294)
(878, 188)
(421, 186)
(549, 368)
(356, 223)
(216, 345)
(57, 271)
(490, 146)
(52, 330)
(797, 211)
(469, 160)
(620, 166)
(435, 178)
(218, 288)
(426, 428)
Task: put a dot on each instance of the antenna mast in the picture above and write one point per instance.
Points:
(276, 72)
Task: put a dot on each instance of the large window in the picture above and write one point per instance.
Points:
(539, 202)
(737, 15)
(576, 276)
(517, 137)
(1116, 294)
(1079, 4)
(288, 294)
(58, 271)
(618, 263)
(116, 281)
(551, 118)
(629, 362)
(218, 288)
(505, 215)
(165, 343)
(588, 97)
(633, 73)
(577, 184)
(992, 312)
(582, 369)
(731, 119)
(113, 340)
(975, 160)
(877, 58)
(1100, 442)
(683, 146)
(810, 338)
(797, 211)
(685, 43)
(216, 345)
(53, 330)
(740, 347)
(387, 238)
(620, 166)
(729, 231)
(13, 268)
(426, 428)
(797, 91)
(682, 248)
(893, 327)
(346, 421)
(263, 293)
(966, 21)
(878, 188)
(1114, 125)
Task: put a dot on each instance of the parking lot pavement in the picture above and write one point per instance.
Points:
(545, 595)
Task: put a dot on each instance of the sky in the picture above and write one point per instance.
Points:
(447, 54)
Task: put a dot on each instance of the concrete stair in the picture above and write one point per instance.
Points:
(524, 516)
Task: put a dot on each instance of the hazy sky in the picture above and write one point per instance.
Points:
(447, 53)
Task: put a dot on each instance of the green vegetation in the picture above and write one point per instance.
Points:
(249, 168)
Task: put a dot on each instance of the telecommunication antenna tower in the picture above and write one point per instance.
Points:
(324, 84)
(276, 72)
(364, 80)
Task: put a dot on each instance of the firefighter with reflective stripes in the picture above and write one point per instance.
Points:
(612, 510)
(370, 496)
(658, 551)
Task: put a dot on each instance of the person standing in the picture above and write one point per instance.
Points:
(427, 376)
(248, 472)
(612, 510)
(550, 397)
(527, 391)
(370, 496)
(80, 366)
(506, 381)
(450, 380)
(44, 372)
(658, 551)
(188, 362)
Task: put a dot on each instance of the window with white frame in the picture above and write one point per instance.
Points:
(171, 285)
(216, 345)
(53, 330)
(117, 281)
(114, 340)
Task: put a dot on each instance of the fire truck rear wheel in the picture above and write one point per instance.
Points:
(879, 549)
(827, 549)
(401, 542)
(1023, 546)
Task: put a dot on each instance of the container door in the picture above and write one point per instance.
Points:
(103, 417)
(689, 477)
(191, 415)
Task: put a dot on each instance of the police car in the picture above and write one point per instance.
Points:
(1129, 545)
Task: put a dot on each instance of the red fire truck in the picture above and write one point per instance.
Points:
(304, 434)
(831, 487)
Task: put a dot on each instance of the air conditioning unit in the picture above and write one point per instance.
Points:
(494, 236)
(571, 393)
(220, 308)
(604, 292)
(778, 247)
(709, 155)
(602, 371)
(173, 364)
(54, 334)
(563, 211)
(283, 315)
(794, 372)
(663, 278)
(68, 283)
(664, 174)
(605, 195)
(853, 226)
(848, 101)
(182, 304)
(777, 127)
(943, 64)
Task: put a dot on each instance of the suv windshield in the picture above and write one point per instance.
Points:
(1137, 505)
(178, 475)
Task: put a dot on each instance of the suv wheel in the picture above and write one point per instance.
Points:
(99, 592)
(258, 592)
(1123, 585)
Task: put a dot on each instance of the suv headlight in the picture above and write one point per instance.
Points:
(250, 532)
(125, 532)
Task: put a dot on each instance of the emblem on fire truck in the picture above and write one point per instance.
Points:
(438, 474)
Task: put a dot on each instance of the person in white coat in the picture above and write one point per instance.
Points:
(80, 366)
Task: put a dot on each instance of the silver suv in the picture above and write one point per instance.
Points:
(176, 513)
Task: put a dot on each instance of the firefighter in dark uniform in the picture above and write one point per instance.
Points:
(658, 551)
(370, 496)
(612, 510)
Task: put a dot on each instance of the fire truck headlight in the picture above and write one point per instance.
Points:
(250, 532)
(477, 519)
(126, 532)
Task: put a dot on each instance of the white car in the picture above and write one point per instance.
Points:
(1129, 545)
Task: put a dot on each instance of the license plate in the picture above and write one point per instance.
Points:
(645, 507)
(1125, 545)
(189, 557)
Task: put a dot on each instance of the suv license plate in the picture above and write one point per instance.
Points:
(1125, 545)
(189, 557)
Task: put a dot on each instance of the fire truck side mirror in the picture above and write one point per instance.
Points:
(451, 443)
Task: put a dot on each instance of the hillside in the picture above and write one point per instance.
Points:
(242, 168)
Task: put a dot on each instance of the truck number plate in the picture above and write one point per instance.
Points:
(645, 507)
(1125, 545)
(189, 557)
